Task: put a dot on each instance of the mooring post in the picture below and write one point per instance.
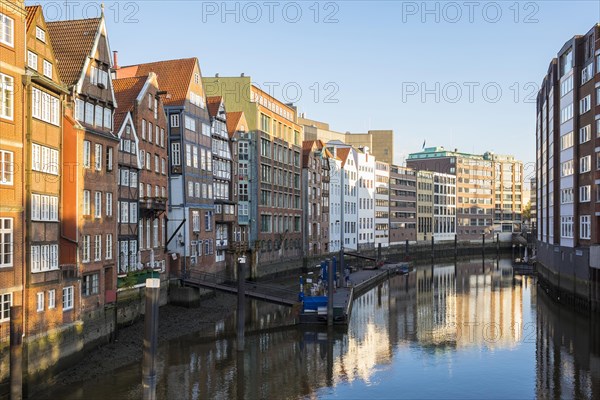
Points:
(378, 252)
(406, 251)
(432, 250)
(497, 245)
(455, 245)
(16, 352)
(150, 339)
(241, 376)
(241, 303)
(330, 272)
(483, 244)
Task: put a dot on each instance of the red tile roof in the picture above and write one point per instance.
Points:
(31, 13)
(72, 41)
(212, 104)
(343, 154)
(126, 93)
(233, 120)
(174, 76)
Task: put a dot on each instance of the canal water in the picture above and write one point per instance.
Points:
(470, 330)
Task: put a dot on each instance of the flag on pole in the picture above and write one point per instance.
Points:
(423, 144)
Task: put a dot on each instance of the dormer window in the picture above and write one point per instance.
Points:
(40, 34)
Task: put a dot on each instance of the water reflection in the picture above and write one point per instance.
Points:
(471, 330)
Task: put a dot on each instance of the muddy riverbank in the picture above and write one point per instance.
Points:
(174, 322)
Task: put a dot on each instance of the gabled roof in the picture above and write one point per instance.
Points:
(213, 104)
(126, 92)
(174, 76)
(343, 153)
(73, 41)
(233, 121)
(31, 13)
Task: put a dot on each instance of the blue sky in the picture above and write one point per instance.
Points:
(365, 65)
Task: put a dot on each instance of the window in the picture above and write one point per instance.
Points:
(109, 204)
(157, 135)
(6, 242)
(5, 298)
(155, 233)
(587, 72)
(566, 141)
(109, 159)
(149, 137)
(44, 159)
(99, 116)
(208, 220)
(107, 118)
(86, 202)
(585, 164)
(90, 284)
(133, 213)
(68, 298)
(566, 113)
(97, 247)
(196, 221)
(40, 34)
(89, 113)
(51, 299)
(585, 104)
(40, 301)
(98, 205)
(6, 167)
(195, 156)
(585, 227)
(566, 196)
(44, 258)
(190, 123)
(87, 149)
(148, 162)
(7, 30)
(32, 60)
(124, 209)
(85, 248)
(47, 69)
(188, 155)
(144, 129)
(584, 193)
(44, 208)
(7, 91)
(79, 110)
(175, 121)
(190, 189)
(109, 246)
(45, 107)
(163, 166)
(176, 154)
(585, 134)
(566, 168)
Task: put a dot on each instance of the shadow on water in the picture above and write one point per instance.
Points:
(466, 330)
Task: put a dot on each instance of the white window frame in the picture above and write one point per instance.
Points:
(176, 154)
(6, 231)
(7, 30)
(175, 121)
(585, 227)
(32, 60)
(86, 204)
(85, 248)
(87, 154)
(68, 298)
(7, 167)
(97, 204)
(109, 246)
(585, 104)
(97, 247)
(51, 299)
(40, 34)
(585, 164)
(48, 69)
(40, 301)
(7, 96)
(585, 193)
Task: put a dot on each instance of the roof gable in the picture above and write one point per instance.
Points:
(126, 93)
(73, 42)
(128, 120)
(174, 77)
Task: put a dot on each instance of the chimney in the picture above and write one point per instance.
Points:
(115, 59)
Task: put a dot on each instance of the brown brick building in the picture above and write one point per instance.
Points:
(89, 182)
(12, 137)
(141, 124)
(50, 291)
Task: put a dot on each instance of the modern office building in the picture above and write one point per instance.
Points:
(403, 205)
(477, 196)
(382, 204)
(424, 205)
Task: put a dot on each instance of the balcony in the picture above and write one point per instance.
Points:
(222, 244)
(241, 246)
(69, 272)
(224, 217)
(153, 205)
